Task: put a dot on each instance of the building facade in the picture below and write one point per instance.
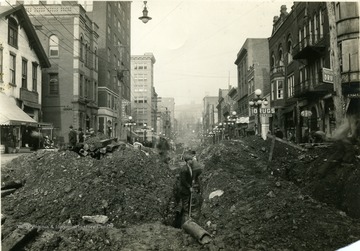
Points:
(302, 77)
(210, 113)
(22, 58)
(166, 108)
(144, 99)
(70, 90)
(253, 73)
(114, 67)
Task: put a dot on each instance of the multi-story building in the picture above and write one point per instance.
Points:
(223, 106)
(22, 57)
(347, 27)
(302, 82)
(70, 39)
(114, 70)
(144, 100)
(253, 73)
(210, 113)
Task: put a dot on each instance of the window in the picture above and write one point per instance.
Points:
(54, 84)
(81, 86)
(280, 90)
(12, 67)
(108, 55)
(109, 100)
(24, 74)
(316, 28)
(81, 48)
(272, 62)
(290, 85)
(272, 90)
(95, 59)
(13, 32)
(53, 46)
(289, 50)
(281, 57)
(321, 23)
(1, 64)
(34, 76)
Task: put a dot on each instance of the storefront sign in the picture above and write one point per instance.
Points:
(353, 95)
(264, 110)
(306, 113)
(327, 76)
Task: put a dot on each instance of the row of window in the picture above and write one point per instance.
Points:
(24, 71)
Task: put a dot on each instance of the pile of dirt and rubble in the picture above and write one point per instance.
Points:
(249, 203)
(129, 187)
(256, 208)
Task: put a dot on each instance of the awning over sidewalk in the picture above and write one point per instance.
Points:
(11, 114)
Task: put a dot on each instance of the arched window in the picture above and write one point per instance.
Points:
(272, 61)
(81, 48)
(281, 56)
(13, 32)
(53, 46)
(289, 50)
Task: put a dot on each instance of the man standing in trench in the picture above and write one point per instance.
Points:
(187, 187)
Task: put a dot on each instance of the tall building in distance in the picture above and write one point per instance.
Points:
(144, 99)
(113, 20)
(69, 91)
(166, 120)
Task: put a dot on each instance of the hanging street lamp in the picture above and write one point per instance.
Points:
(145, 18)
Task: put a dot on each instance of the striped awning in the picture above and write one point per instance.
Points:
(11, 114)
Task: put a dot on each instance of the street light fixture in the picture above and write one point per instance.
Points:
(257, 103)
(145, 128)
(130, 123)
(145, 18)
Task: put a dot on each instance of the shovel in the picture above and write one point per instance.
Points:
(192, 228)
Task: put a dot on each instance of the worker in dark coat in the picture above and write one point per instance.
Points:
(187, 183)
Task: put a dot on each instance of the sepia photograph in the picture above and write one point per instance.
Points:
(180, 125)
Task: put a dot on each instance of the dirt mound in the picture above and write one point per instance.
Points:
(261, 211)
(128, 187)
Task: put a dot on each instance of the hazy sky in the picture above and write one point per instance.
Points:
(195, 42)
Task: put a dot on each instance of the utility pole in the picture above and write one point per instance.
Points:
(335, 65)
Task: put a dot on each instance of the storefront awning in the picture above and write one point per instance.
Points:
(11, 114)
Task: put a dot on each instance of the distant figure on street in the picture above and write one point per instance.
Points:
(81, 135)
(279, 133)
(72, 137)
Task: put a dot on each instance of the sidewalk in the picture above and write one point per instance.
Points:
(7, 157)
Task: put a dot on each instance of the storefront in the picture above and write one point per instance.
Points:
(16, 126)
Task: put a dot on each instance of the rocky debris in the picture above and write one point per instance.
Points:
(263, 205)
(127, 187)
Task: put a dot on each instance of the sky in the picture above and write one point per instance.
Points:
(195, 42)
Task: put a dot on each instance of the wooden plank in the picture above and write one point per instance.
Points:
(272, 148)
(18, 239)
(11, 184)
(287, 143)
(7, 192)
